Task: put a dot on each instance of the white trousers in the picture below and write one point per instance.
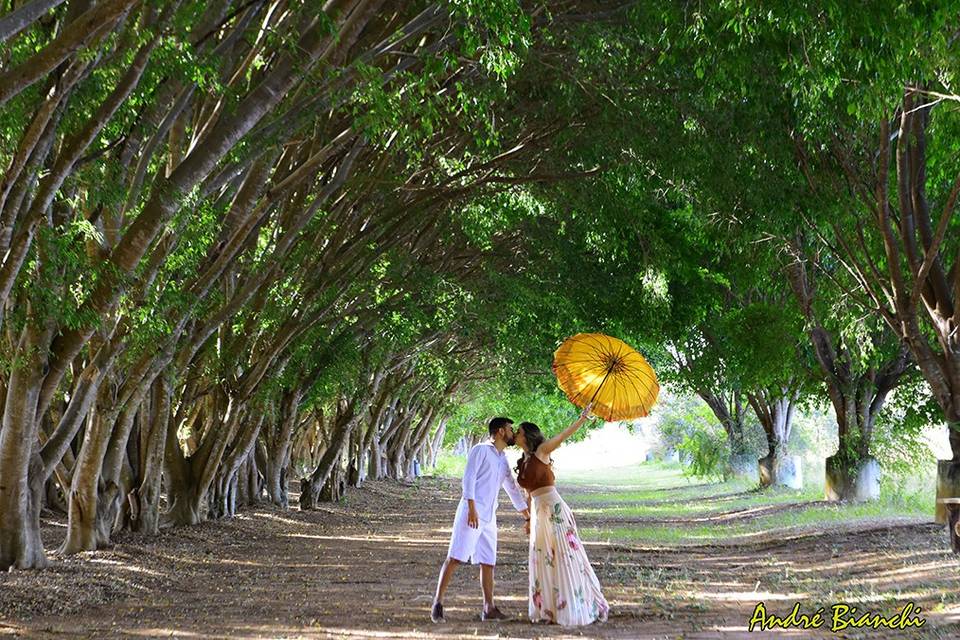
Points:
(476, 546)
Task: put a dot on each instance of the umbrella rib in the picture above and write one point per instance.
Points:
(634, 377)
(613, 401)
(639, 374)
(584, 388)
(597, 352)
(629, 377)
(587, 361)
(593, 361)
(588, 340)
(587, 344)
(632, 374)
(616, 355)
(641, 393)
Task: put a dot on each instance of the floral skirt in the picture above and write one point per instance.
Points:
(563, 587)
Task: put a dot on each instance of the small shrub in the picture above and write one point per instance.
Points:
(708, 453)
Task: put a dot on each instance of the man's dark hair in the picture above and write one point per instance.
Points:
(496, 423)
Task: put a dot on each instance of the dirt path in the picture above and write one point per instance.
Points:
(367, 568)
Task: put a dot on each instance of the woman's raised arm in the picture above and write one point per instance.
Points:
(550, 445)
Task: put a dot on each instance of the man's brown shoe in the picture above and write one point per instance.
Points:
(494, 614)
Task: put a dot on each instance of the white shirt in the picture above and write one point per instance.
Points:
(488, 470)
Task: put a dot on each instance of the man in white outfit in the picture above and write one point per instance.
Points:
(474, 537)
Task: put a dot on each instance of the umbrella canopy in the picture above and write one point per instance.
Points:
(593, 367)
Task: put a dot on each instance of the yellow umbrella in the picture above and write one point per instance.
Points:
(592, 367)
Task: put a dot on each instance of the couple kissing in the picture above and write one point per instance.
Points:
(563, 588)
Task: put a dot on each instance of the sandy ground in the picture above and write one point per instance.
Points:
(367, 568)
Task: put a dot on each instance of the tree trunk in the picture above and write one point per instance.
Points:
(309, 494)
(375, 468)
(397, 461)
(355, 460)
(417, 443)
(91, 498)
(731, 413)
(948, 486)
(852, 474)
(103, 470)
(53, 497)
(183, 501)
(222, 497)
(857, 394)
(948, 500)
(774, 409)
(250, 479)
(227, 487)
(344, 424)
(21, 468)
(23, 16)
(275, 483)
(146, 497)
(852, 481)
(276, 459)
(436, 444)
(335, 486)
(20, 544)
(466, 443)
(243, 495)
(953, 527)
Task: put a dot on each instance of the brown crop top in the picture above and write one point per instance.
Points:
(534, 476)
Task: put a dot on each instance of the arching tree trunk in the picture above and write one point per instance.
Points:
(91, 498)
(309, 494)
(335, 485)
(21, 468)
(183, 503)
(153, 433)
(311, 487)
(436, 444)
(355, 469)
(375, 461)
(276, 458)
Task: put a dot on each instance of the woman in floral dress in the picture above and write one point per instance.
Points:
(563, 586)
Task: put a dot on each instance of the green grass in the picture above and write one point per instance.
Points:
(448, 466)
(647, 477)
(802, 518)
(653, 492)
(695, 506)
(659, 491)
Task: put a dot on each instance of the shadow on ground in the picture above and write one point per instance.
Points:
(367, 567)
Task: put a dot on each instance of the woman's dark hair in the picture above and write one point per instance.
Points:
(533, 437)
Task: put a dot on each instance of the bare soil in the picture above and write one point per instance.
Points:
(367, 568)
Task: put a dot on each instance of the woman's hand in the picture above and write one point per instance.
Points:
(586, 411)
